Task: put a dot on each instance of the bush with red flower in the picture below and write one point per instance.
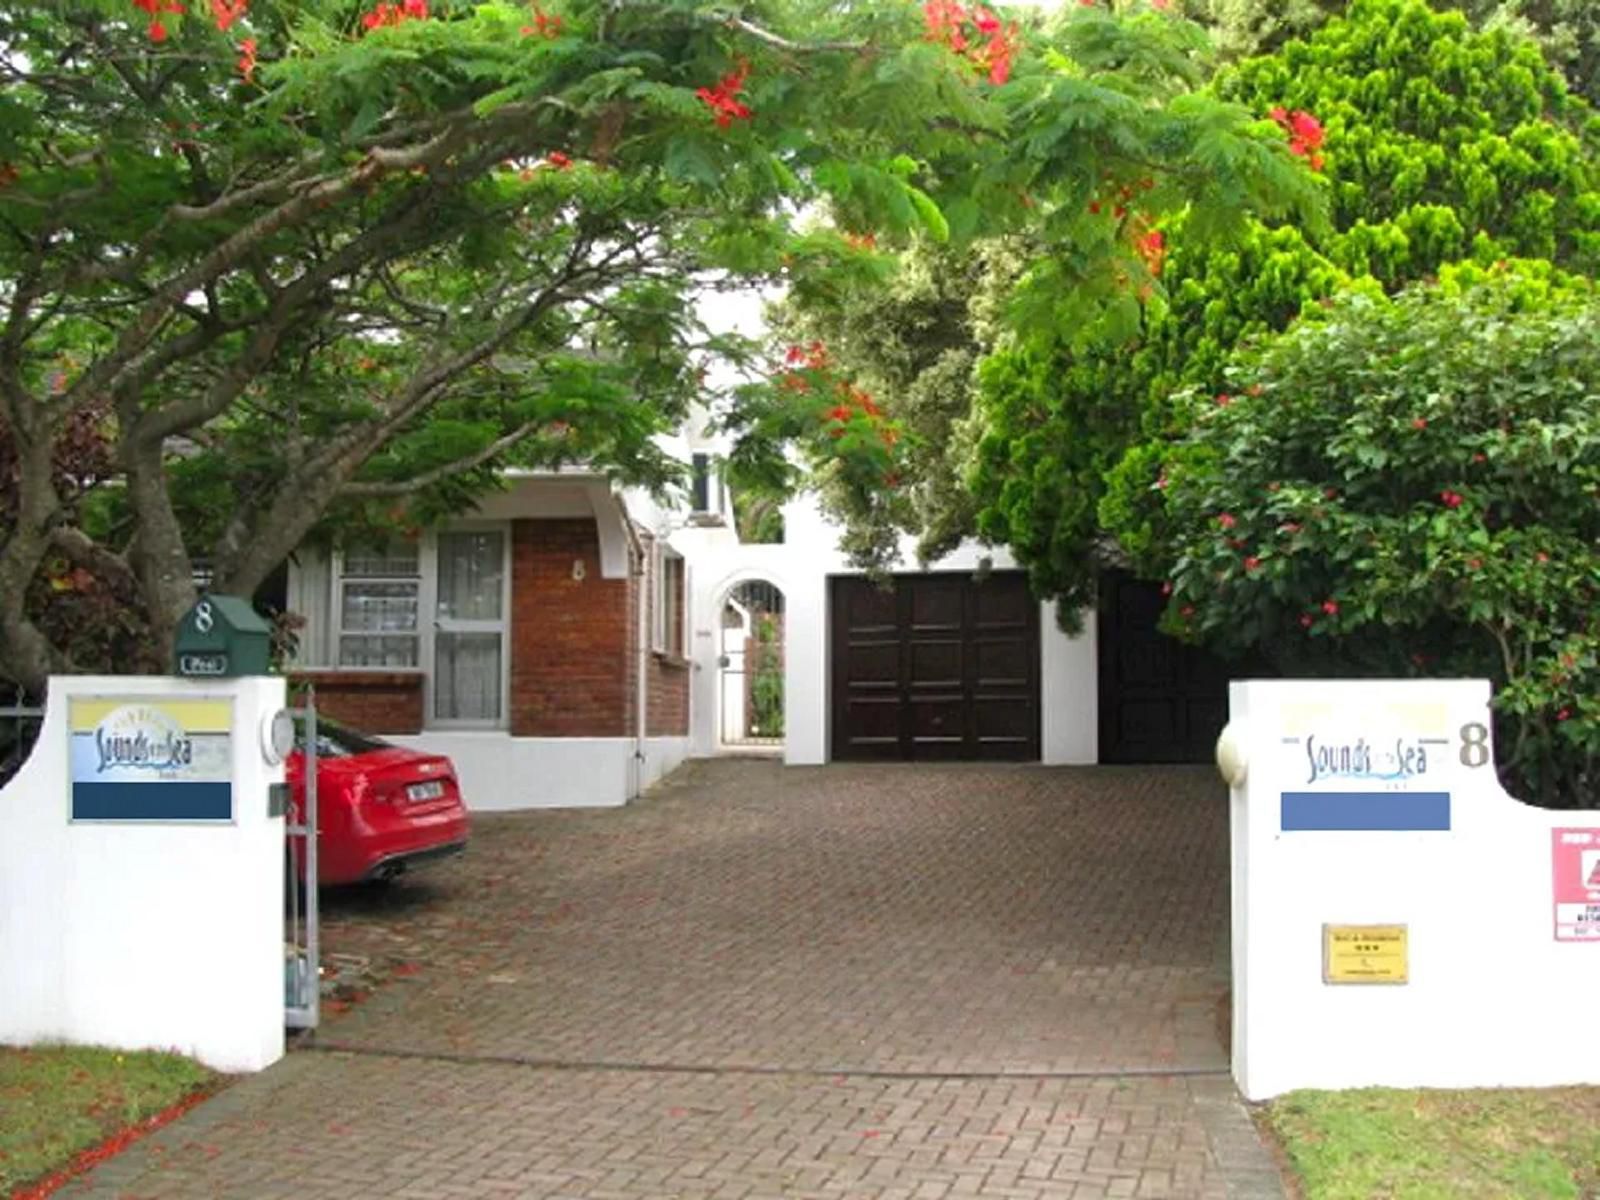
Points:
(1407, 486)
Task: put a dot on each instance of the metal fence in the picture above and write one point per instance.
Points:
(19, 729)
(301, 931)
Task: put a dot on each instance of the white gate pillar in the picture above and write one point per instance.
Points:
(141, 876)
(1398, 920)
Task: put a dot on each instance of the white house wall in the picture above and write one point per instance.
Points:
(800, 568)
(501, 773)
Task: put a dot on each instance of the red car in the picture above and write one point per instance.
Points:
(380, 807)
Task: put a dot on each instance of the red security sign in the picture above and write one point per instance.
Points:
(1577, 884)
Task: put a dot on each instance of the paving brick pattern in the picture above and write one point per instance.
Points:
(863, 982)
(962, 919)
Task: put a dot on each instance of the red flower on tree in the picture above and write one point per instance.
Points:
(544, 25)
(814, 357)
(1305, 134)
(247, 59)
(158, 30)
(226, 12)
(975, 34)
(1152, 248)
(396, 14)
(721, 99)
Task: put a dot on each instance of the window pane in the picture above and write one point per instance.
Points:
(380, 607)
(368, 651)
(471, 575)
(396, 561)
(466, 677)
(701, 477)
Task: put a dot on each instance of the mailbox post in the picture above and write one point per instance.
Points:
(222, 637)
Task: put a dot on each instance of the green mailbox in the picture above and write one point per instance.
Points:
(220, 637)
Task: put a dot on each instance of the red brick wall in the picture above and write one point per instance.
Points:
(667, 708)
(667, 677)
(571, 667)
(373, 701)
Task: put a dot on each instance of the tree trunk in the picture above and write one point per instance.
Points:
(26, 656)
(162, 564)
(249, 551)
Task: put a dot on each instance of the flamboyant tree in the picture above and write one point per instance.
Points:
(914, 340)
(263, 264)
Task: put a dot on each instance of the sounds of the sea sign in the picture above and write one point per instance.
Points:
(151, 758)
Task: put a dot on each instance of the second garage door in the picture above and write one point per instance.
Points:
(939, 666)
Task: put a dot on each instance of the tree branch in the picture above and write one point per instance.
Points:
(407, 487)
(783, 43)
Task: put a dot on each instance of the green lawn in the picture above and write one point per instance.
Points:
(56, 1101)
(1381, 1144)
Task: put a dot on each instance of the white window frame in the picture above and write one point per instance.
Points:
(434, 625)
(660, 639)
(430, 624)
(341, 579)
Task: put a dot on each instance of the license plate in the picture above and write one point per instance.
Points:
(431, 790)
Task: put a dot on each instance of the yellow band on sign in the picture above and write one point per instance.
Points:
(193, 716)
(1365, 954)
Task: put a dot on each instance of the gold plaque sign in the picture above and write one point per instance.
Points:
(1364, 954)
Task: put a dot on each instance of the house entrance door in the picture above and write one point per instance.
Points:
(469, 627)
(751, 665)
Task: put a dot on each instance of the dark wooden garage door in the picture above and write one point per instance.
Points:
(1161, 701)
(935, 667)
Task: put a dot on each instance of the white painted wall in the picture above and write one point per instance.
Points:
(1493, 999)
(501, 773)
(148, 936)
(800, 567)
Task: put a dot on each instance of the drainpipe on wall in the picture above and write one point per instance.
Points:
(641, 633)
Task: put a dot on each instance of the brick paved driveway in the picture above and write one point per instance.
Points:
(853, 981)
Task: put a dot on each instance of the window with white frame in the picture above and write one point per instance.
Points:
(667, 636)
(701, 482)
(380, 594)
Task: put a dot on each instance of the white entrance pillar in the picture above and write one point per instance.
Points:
(141, 876)
(1398, 920)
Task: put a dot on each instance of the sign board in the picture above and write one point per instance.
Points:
(1364, 954)
(1576, 880)
(151, 758)
(1383, 769)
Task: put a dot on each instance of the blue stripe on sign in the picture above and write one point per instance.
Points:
(1365, 810)
(152, 801)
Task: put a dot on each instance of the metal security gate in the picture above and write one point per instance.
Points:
(302, 963)
(750, 680)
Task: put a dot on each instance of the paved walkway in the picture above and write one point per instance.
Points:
(875, 982)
